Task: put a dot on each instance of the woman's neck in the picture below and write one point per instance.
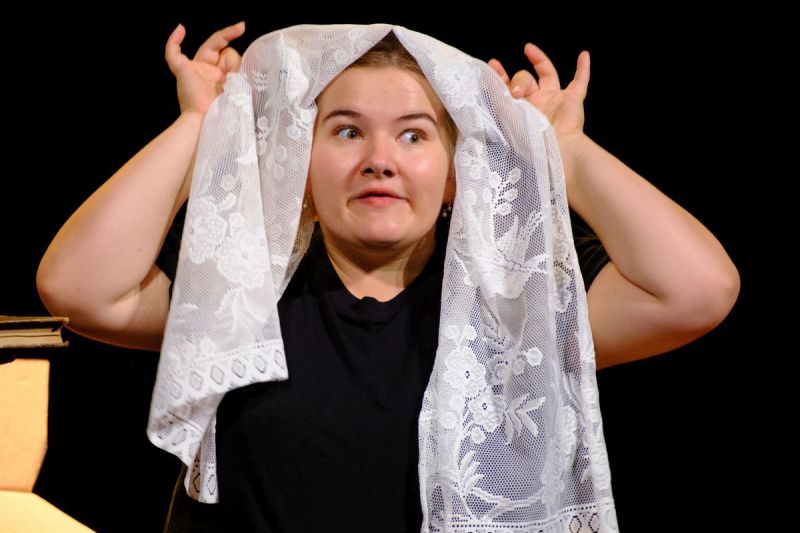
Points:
(379, 273)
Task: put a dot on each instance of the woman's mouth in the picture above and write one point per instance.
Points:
(379, 197)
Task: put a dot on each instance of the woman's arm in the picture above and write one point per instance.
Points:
(100, 268)
(669, 280)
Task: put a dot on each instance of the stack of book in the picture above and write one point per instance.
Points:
(18, 333)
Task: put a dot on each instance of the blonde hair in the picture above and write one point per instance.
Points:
(388, 52)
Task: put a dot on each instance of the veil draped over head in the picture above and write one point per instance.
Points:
(510, 431)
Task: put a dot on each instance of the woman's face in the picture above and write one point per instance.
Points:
(379, 160)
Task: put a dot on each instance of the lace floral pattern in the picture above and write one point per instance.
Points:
(510, 432)
(206, 230)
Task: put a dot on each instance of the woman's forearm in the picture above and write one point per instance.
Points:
(108, 246)
(653, 241)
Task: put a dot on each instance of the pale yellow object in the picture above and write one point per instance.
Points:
(23, 443)
(25, 512)
(23, 422)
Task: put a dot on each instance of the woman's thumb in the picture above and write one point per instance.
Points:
(172, 51)
(229, 60)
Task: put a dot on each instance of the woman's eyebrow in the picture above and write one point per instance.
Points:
(341, 113)
(355, 114)
(415, 116)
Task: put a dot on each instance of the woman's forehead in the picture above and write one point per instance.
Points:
(381, 90)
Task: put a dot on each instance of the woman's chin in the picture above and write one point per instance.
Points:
(378, 235)
(391, 240)
(381, 241)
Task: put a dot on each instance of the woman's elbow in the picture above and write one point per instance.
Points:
(48, 287)
(712, 300)
(61, 290)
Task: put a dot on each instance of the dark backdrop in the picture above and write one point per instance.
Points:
(663, 97)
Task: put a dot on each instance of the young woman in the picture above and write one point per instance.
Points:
(335, 445)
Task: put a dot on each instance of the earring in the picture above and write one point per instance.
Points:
(308, 205)
(447, 209)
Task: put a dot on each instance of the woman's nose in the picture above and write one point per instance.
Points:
(379, 159)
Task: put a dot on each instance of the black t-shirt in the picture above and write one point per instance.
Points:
(334, 447)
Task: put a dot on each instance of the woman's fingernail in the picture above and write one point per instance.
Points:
(516, 90)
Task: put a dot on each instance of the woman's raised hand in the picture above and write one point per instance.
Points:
(563, 108)
(202, 79)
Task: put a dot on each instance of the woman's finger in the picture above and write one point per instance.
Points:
(229, 60)
(548, 77)
(209, 50)
(523, 83)
(172, 52)
(580, 83)
(498, 67)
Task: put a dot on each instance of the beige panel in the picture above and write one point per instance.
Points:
(23, 512)
(23, 422)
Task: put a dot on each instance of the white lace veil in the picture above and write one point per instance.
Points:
(510, 432)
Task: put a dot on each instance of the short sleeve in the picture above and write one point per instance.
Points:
(167, 259)
(592, 256)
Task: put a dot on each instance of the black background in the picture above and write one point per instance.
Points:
(88, 90)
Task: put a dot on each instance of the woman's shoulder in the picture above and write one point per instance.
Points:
(592, 256)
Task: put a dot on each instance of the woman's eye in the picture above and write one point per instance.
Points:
(347, 133)
(412, 136)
